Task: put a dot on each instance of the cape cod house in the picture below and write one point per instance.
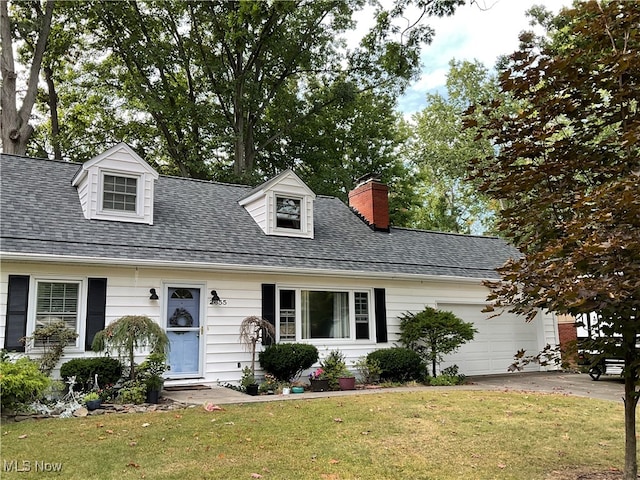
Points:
(93, 242)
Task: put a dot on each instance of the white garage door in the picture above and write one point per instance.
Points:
(493, 347)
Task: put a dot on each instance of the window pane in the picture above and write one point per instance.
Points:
(57, 301)
(119, 193)
(361, 300)
(287, 315)
(325, 314)
(288, 213)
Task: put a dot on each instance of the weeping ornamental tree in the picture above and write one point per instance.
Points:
(568, 173)
(434, 333)
(127, 334)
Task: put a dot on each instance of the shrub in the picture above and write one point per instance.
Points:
(334, 367)
(448, 376)
(398, 364)
(109, 370)
(53, 338)
(434, 333)
(369, 369)
(133, 391)
(21, 382)
(129, 333)
(286, 361)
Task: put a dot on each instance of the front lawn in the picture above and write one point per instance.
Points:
(422, 435)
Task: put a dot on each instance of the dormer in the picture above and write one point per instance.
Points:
(282, 206)
(117, 185)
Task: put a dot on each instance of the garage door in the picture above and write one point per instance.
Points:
(493, 347)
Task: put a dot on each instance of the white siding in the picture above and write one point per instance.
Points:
(223, 356)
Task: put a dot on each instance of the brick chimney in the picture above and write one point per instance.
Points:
(370, 199)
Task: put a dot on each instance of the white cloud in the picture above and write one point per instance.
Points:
(471, 33)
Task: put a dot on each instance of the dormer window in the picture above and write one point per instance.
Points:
(117, 186)
(288, 213)
(119, 193)
(282, 206)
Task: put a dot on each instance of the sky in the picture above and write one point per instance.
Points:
(471, 33)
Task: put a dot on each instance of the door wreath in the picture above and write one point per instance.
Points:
(181, 318)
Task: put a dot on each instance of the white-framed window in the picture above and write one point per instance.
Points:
(288, 212)
(119, 193)
(58, 300)
(320, 314)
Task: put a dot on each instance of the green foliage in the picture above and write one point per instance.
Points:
(150, 371)
(133, 391)
(433, 333)
(443, 151)
(109, 370)
(333, 367)
(21, 382)
(286, 361)
(129, 333)
(53, 337)
(248, 378)
(398, 364)
(91, 396)
(448, 376)
(369, 369)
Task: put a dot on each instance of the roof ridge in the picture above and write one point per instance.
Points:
(453, 234)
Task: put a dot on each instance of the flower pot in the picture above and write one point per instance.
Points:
(319, 385)
(93, 404)
(252, 389)
(347, 383)
(297, 389)
(286, 390)
(153, 396)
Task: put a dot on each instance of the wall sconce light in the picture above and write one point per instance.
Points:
(215, 299)
(154, 295)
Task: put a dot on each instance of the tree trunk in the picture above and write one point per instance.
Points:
(630, 404)
(53, 110)
(14, 123)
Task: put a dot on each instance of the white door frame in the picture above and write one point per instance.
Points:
(202, 319)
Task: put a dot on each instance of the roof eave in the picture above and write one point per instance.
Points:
(119, 262)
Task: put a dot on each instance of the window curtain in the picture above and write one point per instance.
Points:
(306, 314)
(340, 315)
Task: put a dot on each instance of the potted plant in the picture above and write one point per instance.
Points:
(318, 381)
(334, 367)
(254, 329)
(347, 380)
(248, 382)
(150, 371)
(92, 400)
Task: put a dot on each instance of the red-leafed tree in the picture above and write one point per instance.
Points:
(568, 174)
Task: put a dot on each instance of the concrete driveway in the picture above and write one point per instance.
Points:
(607, 388)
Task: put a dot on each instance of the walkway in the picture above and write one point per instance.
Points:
(607, 388)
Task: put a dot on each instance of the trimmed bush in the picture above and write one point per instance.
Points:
(286, 361)
(398, 364)
(21, 382)
(109, 370)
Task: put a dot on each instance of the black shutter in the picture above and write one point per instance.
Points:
(269, 308)
(96, 305)
(17, 305)
(381, 314)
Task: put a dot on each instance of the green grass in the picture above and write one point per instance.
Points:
(424, 435)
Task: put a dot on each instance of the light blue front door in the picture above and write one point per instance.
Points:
(183, 329)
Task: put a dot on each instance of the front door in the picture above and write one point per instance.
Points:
(183, 330)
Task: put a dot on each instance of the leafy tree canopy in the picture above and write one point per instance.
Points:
(568, 173)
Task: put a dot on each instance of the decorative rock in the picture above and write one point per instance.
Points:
(81, 412)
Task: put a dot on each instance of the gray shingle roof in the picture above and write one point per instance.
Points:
(201, 222)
